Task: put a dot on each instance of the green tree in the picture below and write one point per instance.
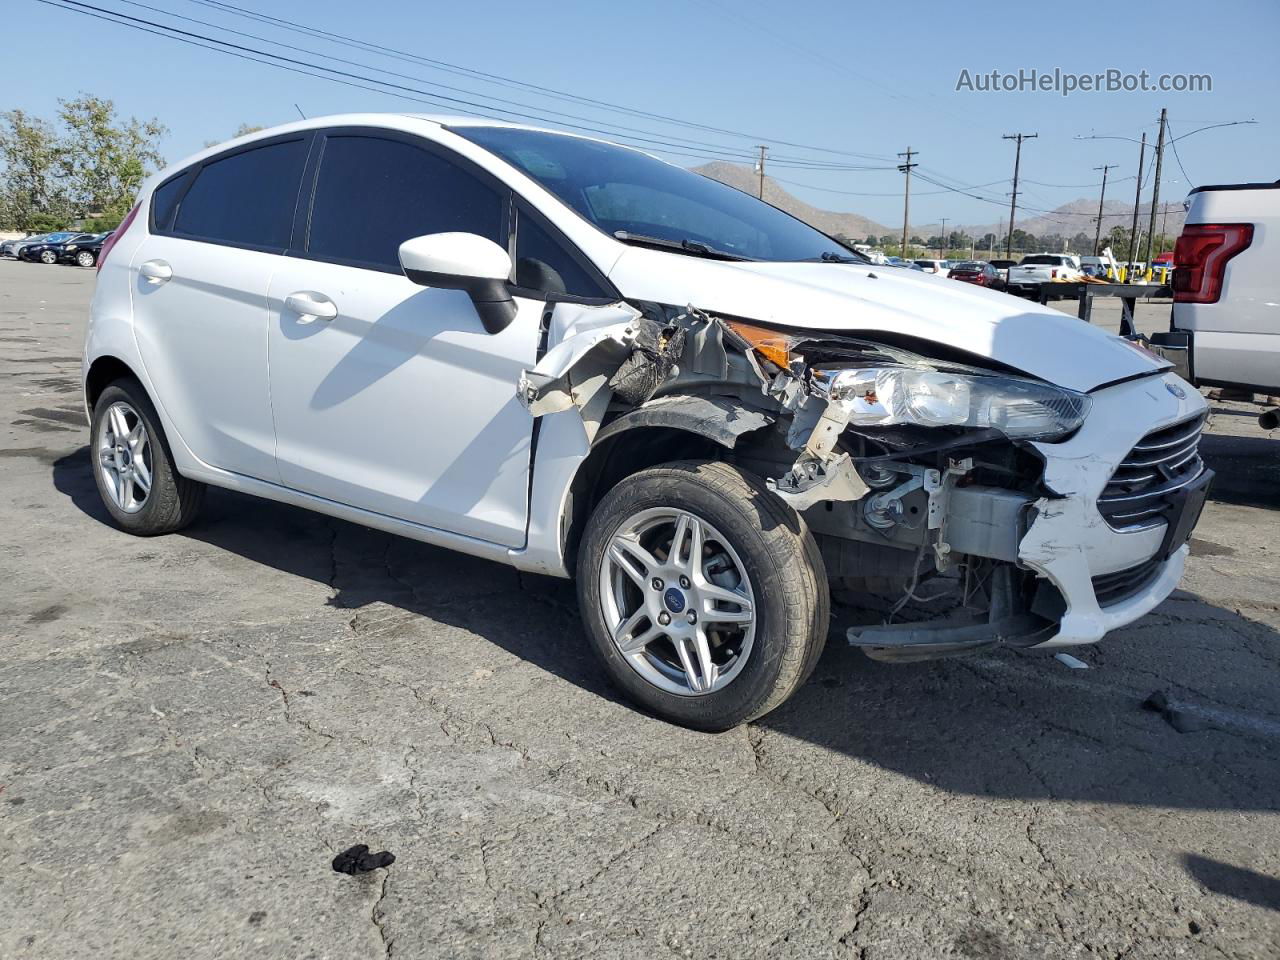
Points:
(31, 195)
(103, 158)
(871, 241)
(887, 241)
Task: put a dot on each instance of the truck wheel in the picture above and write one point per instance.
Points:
(703, 594)
(132, 465)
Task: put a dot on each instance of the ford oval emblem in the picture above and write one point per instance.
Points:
(674, 600)
(1176, 390)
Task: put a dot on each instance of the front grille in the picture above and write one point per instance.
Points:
(1161, 463)
(1113, 588)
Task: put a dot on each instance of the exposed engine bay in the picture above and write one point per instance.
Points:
(919, 477)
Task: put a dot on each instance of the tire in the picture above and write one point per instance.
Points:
(749, 537)
(171, 501)
(48, 257)
(86, 258)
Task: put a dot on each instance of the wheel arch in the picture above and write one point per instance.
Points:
(103, 371)
(673, 427)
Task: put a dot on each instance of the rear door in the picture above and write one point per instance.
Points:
(200, 298)
(398, 401)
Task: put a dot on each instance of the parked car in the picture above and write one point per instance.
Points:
(1040, 268)
(940, 268)
(48, 249)
(1002, 268)
(11, 248)
(83, 250)
(1224, 330)
(976, 271)
(577, 359)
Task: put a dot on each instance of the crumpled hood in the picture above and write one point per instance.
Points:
(864, 299)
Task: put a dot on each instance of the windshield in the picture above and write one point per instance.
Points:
(620, 190)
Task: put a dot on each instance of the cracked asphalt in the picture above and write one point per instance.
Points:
(192, 727)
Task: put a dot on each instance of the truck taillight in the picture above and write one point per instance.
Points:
(1200, 259)
(119, 231)
(1053, 274)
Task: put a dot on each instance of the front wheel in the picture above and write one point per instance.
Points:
(703, 594)
(85, 258)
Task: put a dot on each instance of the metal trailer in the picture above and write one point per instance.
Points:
(1129, 294)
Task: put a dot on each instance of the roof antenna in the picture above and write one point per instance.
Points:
(300, 113)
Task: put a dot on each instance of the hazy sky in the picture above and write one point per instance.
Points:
(853, 78)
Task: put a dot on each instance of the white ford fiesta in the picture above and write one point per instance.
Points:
(574, 358)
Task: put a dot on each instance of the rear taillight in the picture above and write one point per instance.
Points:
(1200, 259)
(1053, 274)
(112, 240)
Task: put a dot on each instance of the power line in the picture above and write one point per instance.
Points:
(457, 69)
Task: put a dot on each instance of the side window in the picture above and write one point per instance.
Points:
(545, 265)
(165, 199)
(373, 194)
(247, 198)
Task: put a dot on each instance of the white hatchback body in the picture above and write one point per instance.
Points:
(349, 389)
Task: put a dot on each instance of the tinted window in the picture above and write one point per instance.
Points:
(246, 198)
(164, 200)
(374, 194)
(1042, 260)
(543, 264)
(622, 190)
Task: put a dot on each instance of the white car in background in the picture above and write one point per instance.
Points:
(576, 359)
(941, 268)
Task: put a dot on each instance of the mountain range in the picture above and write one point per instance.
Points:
(1066, 220)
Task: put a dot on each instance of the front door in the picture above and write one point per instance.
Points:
(391, 396)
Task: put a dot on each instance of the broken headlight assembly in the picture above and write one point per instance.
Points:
(887, 396)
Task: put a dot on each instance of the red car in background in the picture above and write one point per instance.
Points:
(976, 271)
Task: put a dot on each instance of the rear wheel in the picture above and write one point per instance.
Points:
(49, 256)
(703, 594)
(133, 467)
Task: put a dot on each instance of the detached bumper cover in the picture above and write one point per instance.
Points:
(1070, 542)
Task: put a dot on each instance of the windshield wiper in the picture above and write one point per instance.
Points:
(830, 256)
(693, 247)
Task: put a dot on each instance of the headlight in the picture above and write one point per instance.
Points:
(71, 246)
(881, 396)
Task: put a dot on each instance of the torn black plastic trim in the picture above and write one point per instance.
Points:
(721, 419)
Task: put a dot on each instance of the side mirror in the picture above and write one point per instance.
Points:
(464, 261)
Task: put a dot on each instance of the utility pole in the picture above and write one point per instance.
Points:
(1137, 199)
(760, 167)
(906, 168)
(1155, 187)
(942, 244)
(1013, 204)
(1097, 234)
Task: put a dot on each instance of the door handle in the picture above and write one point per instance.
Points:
(311, 306)
(156, 272)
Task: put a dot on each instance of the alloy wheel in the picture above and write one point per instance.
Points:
(124, 457)
(678, 602)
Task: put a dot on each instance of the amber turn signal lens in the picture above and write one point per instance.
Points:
(771, 344)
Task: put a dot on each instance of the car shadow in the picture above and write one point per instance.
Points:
(1002, 724)
(1247, 469)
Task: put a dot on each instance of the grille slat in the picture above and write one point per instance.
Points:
(1113, 588)
(1160, 464)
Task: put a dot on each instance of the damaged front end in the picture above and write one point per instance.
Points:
(919, 477)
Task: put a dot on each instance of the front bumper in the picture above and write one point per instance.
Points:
(1070, 544)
